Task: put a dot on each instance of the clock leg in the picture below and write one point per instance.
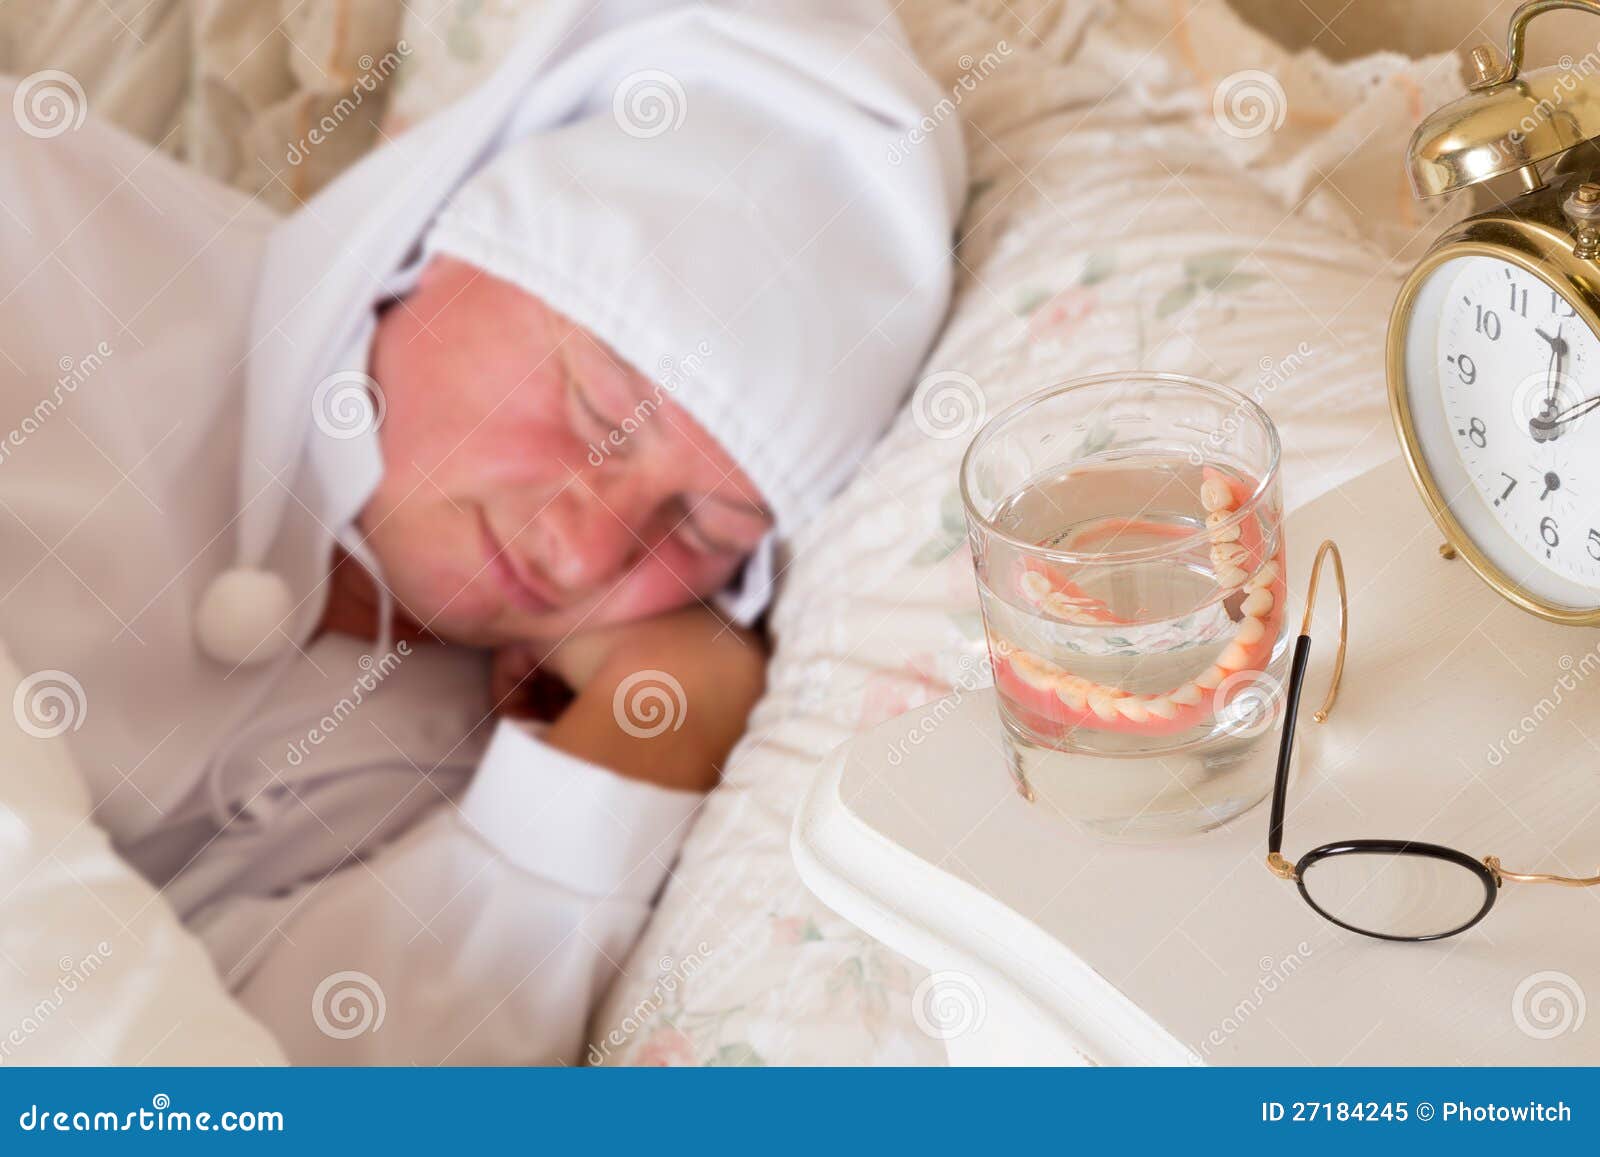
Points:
(1446, 551)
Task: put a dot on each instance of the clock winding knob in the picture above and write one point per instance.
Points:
(1582, 207)
(1486, 68)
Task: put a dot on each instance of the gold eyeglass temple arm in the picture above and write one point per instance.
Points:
(1329, 547)
(1493, 864)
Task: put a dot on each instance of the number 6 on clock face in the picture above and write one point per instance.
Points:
(1498, 398)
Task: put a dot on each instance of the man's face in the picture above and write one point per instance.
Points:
(492, 523)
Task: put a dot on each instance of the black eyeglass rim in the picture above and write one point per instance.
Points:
(1491, 885)
(1280, 796)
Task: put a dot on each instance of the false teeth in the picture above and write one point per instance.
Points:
(1230, 577)
(1161, 706)
(1229, 554)
(1035, 672)
(1187, 695)
(1230, 560)
(1220, 533)
(1257, 603)
(1235, 658)
(1035, 586)
(1102, 704)
(1071, 692)
(1215, 494)
(1134, 708)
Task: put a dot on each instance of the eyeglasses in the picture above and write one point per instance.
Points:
(1389, 889)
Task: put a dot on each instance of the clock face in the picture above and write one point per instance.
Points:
(1501, 372)
(1516, 365)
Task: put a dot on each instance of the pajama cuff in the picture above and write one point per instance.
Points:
(573, 822)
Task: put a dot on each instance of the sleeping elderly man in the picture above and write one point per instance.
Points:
(531, 395)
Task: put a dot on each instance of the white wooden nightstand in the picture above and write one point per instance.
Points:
(1463, 721)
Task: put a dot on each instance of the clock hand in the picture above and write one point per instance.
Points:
(1543, 427)
(1558, 350)
(1547, 425)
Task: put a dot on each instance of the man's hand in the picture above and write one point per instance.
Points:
(661, 699)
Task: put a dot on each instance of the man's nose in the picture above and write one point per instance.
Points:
(585, 538)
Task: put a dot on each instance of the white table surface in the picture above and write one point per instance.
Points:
(1191, 951)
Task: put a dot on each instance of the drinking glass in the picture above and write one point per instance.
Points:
(1126, 530)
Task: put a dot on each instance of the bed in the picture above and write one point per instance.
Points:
(1155, 183)
(1117, 219)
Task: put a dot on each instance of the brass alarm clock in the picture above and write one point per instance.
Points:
(1494, 343)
